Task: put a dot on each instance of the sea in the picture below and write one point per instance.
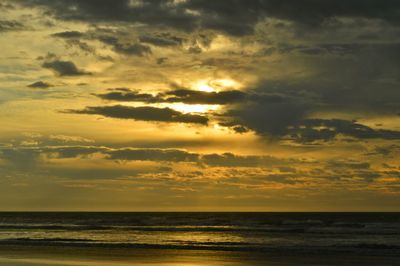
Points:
(258, 232)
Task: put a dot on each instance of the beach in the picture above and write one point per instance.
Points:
(67, 256)
(199, 239)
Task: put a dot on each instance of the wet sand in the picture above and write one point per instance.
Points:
(67, 256)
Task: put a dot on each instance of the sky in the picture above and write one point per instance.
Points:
(195, 105)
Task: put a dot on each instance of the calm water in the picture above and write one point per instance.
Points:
(359, 232)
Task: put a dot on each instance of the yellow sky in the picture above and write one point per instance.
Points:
(121, 111)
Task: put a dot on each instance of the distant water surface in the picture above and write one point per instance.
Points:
(303, 232)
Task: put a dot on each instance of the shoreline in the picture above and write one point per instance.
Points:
(16, 255)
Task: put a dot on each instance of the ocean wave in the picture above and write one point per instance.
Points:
(316, 229)
(54, 227)
(217, 246)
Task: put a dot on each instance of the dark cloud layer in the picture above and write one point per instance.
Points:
(137, 49)
(32, 154)
(40, 85)
(64, 68)
(310, 130)
(163, 39)
(10, 25)
(201, 97)
(180, 95)
(68, 34)
(233, 17)
(152, 155)
(232, 160)
(144, 113)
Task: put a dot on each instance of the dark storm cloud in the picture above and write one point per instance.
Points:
(64, 68)
(310, 130)
(74, 39)
(334, 49)
(268, 117)
(144, 113)
(283, 116)
(10, 25)
(124, 48)
(312, 12)
(233, 17)
(81, 45)
(164, 39)
(111, 38)
(40, 85)
(239, 17)
(180, 95)
(354, 78)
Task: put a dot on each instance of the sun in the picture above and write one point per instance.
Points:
(224, 83)
(215, 85)
(209, 86)
(194, 108)
(203, 85)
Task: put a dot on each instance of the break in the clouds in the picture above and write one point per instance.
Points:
(285, 103)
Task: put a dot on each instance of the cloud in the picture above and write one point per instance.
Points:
(235, 18)
(133, 49)
(127, 95)
(22, 158)
(282, 179)
(37, 154)
(72, 151)
(10, 25)
(185, 16)
(180, 95)
(284, 117)
(201, 97)
(64, 68)
(163, 40)
(152, 155)
(310, 130)
(143, 113)
(40, 85)
(335, 164)
(125, 48)
(74, 38)
(232, 160)
(267, 118)
(68, 34)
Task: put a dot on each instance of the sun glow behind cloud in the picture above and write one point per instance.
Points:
(203, 85)
(193, 108)
(215, 85)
